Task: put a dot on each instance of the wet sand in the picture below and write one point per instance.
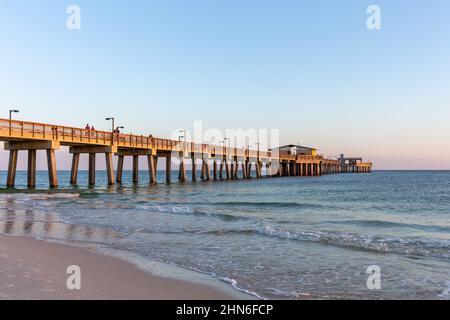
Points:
(35, 269)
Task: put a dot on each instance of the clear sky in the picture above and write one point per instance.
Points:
(309, 68)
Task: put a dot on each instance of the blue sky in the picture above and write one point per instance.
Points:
(309, 68)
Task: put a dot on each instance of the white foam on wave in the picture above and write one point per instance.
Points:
(42, 196)
(446, 293)
(234, 284)
(423, 247)
(167, 209)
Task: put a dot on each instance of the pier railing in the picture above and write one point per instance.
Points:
(24, 130)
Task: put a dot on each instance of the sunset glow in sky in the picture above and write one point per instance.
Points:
(309, 68)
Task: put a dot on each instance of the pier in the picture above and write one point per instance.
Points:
(226, 163)
(354, 165)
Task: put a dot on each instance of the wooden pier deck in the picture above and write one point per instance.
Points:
(226, 161)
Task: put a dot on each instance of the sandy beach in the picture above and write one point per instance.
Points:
(35, 269)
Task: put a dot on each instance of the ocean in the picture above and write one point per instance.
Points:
(274, 238)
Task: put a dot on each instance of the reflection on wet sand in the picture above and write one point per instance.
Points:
(29, 222)
(38, 224)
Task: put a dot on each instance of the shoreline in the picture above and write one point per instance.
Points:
(36, 269)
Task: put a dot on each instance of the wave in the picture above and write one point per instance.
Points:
(25, 196)
(414, 247)
(393, 224)
(189, 210)
(277, 204)
(405, 246)
(235, 285)
(446, 293)
(260, 204)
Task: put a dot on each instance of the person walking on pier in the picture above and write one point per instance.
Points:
(88, 127)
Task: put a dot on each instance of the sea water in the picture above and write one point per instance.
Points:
(277, 238)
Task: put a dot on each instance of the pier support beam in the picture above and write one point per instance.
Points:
(244, 170)
(182, 170)
(227, 169)
(221, 170)
(203, 171)
(31, 181)
(119, 172)
(51, 164)
(258, 169)
(155, 163)
(215, 169)
(203, 174)
(231, 170)
(151, 168)
(12, 168)
(248, 169)
(206, 174)
(74, 171)
(109, 168)
(91, 169)
(194, 169)
(135, 168)
(168, 169)
(208, 171)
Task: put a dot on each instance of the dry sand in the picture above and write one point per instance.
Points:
(35, 269)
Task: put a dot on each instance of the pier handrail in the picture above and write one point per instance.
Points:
(42, 131)
(24, 130)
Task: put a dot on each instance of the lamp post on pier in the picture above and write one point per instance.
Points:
(112, 128)
(257, 143)
(229, 145)
(11, 111)
(183, 131)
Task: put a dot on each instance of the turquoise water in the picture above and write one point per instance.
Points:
(280, 238)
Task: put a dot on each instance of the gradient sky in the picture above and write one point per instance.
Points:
(310, 68)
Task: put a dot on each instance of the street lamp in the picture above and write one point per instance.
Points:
(11, 111)
(248, 149)
(184, 133)
(112, 128)
(112, 124)
(229, 144)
